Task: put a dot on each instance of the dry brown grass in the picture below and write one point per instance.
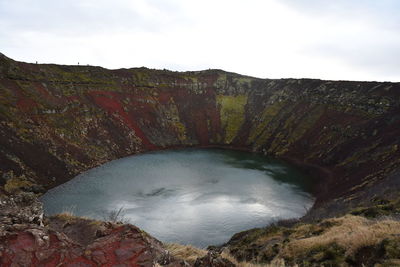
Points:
(65, 215)
(350, 232)
(15, 184)
(185, 252)
(276, 263)
(191, 253)
(68, 216)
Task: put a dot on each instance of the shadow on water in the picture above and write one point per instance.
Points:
(278, 170)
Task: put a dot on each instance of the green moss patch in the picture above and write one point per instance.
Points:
(232, 113)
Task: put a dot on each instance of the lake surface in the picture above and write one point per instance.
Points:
(194, 196)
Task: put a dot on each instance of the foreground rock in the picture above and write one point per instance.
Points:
(35, 246)
(26, 241)
(213, 259)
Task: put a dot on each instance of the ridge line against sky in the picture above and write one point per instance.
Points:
(334, 40)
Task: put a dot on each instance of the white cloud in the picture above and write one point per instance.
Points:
(264, 38)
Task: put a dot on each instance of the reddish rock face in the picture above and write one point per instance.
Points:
(125, 245)
(69, 240)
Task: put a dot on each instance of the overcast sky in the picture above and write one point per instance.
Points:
(327, 39)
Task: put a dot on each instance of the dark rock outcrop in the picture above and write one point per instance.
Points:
(213, 259)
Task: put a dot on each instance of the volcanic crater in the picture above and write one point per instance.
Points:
(59, 121)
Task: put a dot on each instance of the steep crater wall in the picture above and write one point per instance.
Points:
(58, 121)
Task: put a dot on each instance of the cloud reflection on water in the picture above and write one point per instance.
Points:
(200, 197)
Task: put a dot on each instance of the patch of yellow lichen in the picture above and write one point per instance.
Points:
(220, 82)
(179, 127)
(306, 123)
(301, 126)
(15, 184)
(243, 81)
(181, 130)
(258, 132)
(169, 115)
(232, 114)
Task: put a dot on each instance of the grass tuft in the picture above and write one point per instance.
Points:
(185, 252)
